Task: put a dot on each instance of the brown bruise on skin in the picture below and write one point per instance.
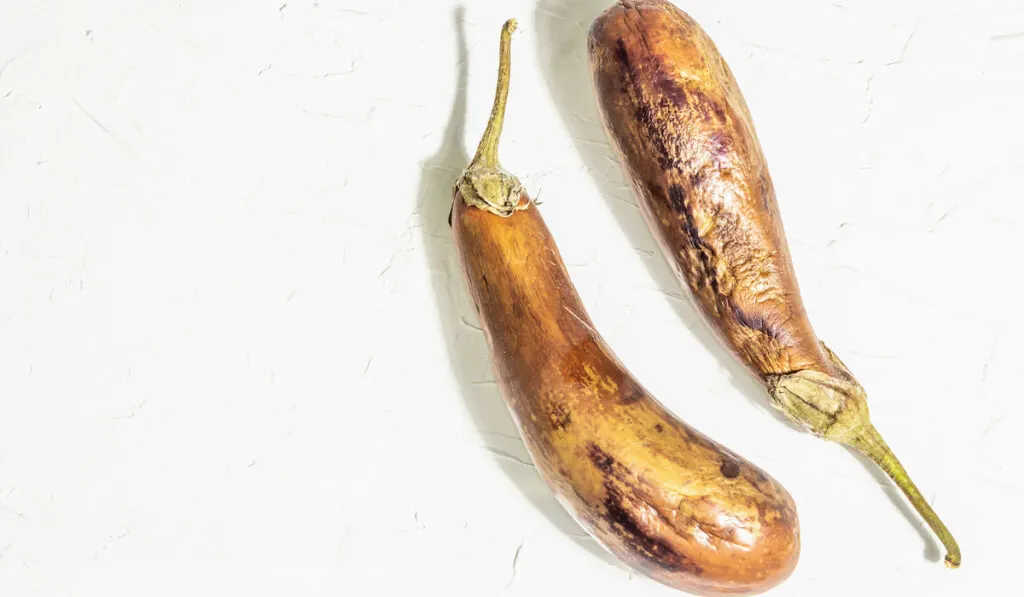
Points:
(686, 141)
(683, 132)
(659, 495)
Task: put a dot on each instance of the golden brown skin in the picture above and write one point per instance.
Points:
(660, 496)
(686, 137)
(683, 131)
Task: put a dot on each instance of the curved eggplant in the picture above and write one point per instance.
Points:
(661, 497)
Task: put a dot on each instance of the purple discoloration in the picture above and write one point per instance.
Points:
(621, 504)
(753, 321)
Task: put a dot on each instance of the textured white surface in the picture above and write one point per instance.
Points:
(237, 358)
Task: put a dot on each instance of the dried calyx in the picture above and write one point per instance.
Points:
(836, 408)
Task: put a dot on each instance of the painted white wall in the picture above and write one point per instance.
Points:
(236, 355)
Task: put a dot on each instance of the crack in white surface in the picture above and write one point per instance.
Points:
(988, 361)
(515, 560)
(672, 295)
(341, 73)
(791, 54)
(134, 411)
(348, 11)
(499, 434)
(391, 263)
(103, 127)
(993, 422)
(621, 200)
(906, 44)
(839, 230)
(940, 219)
(6, 65)
(871, 99)
(365, 118)
(508, 456)
(1008, 36)
(469, 325)
(543, 8)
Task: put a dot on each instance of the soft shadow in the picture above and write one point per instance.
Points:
(467, 347)
(562, 47)
(933, 549)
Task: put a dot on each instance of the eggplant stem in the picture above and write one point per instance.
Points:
(484, 184)
(487, 152)
(835, 407)
(870, 443)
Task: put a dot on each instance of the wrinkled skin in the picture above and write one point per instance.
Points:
(684, 134)
(660, 496)
(686, 140)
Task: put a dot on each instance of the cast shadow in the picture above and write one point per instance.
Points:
(467, 348)
(562, 27)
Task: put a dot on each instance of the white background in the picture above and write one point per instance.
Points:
(237, 358)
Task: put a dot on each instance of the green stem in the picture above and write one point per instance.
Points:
(484, 184)
(870, 443)
(487, 152)
(836, 408)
